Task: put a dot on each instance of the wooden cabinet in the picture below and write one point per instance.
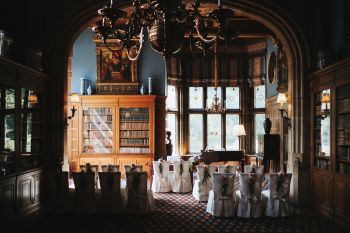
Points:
(115, 129)
(22, 139)
(330, 140)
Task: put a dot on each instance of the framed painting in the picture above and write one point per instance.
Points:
(116, 74)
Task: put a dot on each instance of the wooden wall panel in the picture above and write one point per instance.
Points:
(8, 200)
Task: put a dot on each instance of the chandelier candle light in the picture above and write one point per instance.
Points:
(216, 106)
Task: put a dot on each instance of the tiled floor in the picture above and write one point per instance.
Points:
(182, 213)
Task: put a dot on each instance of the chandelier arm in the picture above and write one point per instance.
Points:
(200, 35)
(138, 52)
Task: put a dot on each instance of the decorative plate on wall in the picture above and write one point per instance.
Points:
(271, 67)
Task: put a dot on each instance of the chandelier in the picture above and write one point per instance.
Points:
(215, 106)
(167, 21)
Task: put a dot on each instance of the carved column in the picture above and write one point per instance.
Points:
(160, 134)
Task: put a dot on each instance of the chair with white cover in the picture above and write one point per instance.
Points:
(227, 169)
(203, 183)
(139, 200)
(248, 198)
(180, 178)
(221, 200)
(58, 195)
(160, 181)
(132, 168)
(111, 201)
(85, 199)
(254, 169)
(276, 199)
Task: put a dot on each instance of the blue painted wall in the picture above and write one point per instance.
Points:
(271, 88)
(84, 60)
(150, 64)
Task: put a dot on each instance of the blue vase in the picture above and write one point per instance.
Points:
(83, 86)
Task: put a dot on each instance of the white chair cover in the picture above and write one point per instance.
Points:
(221, 200)
(110, 168)
(203, 184)
(58, 195)
(160, 183)
(249, 196)
(85, 199)
(173, 158)
(258, 169)
(227, 169)
(139, 200)
(276, 199)
(180, 178)
(111, 201)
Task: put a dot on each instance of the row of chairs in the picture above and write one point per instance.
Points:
(247, 199)
(177, 181)
(110, 199)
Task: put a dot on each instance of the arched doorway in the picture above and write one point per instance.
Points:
(265, 12)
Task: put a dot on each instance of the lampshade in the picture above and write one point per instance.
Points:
(32, 98)
(282, 98)
(238, 130)
(326, 98)
(74, 98)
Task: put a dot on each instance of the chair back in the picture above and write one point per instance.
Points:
(280, 185)
(227, 169)
(110, 182)
(136, 183)
(161, 168)
(84, 182)
(133, 168)
(254, 169)
(223, 184)
(181, 168)
(250, 185)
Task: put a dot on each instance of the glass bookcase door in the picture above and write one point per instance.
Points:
(134, 130)
(343, 131)
(31, 130)
(322, 130)
(98, 130)
(7, 131)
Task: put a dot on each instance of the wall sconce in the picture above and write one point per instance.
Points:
(74, 98)
(326, 99)
(32, 98)
(238, 130)
(282, 99)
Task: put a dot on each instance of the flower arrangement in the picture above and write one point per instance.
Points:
(224, 185)
(206, 175)
(251, 183)
(280, 182)
(160, 166)
(181, 168)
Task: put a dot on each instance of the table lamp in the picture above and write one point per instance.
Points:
(238, 130)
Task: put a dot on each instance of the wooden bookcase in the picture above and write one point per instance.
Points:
(114, 129)
(330, 140)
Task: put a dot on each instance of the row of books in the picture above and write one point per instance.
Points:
(344, 153)
(98, 143)
(134, 111)
(343, 136)
(343, 105)
(87, 150)
(97, 134)
(344, 169)
(97, 111)
(98, 125)
(131, 125)
(141, 133)
(134, 117)
(321, 163)
(134, 150)
(97, 118)
(134, 141)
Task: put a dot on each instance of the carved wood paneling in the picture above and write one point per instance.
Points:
(7, 199)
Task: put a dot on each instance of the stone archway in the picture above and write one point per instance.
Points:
(263, 11)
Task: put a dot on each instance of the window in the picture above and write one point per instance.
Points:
(259, 111)
(172, 117)
(196, 132)
(232, 141)
(213, 131)
(196, 97)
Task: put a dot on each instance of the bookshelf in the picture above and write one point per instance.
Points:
(343, 131)
(113, 129)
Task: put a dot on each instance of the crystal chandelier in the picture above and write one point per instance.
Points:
(216, 106)
(167, 21)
